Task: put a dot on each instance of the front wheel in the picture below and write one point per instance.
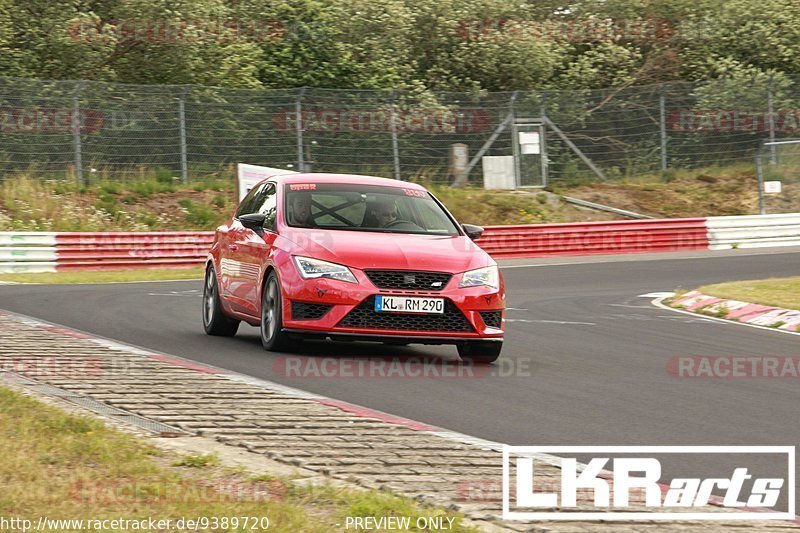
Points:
(214, 320)
(272, 336)
(480, 352)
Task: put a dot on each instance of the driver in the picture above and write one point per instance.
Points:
(385, 212)
(300, 210)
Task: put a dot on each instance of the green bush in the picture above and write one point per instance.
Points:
(110, 188)
(165, 175)
(198, 214)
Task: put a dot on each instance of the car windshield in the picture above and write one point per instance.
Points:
(372, 208)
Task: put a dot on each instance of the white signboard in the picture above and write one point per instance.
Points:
(498, 172)
(248, 176)
(772, 187)
(529, 142)
(534, 149)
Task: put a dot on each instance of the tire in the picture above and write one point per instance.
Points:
(272, 338)
(214, 320)
(480, 353)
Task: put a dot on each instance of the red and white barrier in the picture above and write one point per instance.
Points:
(757, 231)
(49, 252)
(28, 251)
(619, 237)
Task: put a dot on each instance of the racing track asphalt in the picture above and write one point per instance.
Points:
(587, 356)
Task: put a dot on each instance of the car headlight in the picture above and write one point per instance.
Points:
(488, 276)
(315, 268)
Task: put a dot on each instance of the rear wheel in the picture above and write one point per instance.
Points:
(480, 352)
(272, 338)
(214, 320)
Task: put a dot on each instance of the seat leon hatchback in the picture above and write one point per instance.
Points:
(353, 258)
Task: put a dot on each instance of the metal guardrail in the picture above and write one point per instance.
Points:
(620, 237)
(51, 252)
(755, 231)
(28, 252)
(601, 207)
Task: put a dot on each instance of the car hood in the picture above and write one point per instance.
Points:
(365, 250)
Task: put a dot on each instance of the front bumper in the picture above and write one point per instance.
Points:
(470, 313)
(377, 337)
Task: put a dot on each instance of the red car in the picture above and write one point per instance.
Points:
(353, 258)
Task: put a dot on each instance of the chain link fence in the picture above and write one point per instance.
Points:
(86, 130)
(778, 171)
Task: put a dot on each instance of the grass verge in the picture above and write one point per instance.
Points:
(106, 276)
(777, 292)
(148, 203)
(65, 466)
(158, 201)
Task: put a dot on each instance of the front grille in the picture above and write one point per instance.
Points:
(364, 316)
(418, 280)
(493, 319)
(308, 311)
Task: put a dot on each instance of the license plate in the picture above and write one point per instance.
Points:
(403, 304)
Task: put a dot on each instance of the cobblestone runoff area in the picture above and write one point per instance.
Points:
(169, 396)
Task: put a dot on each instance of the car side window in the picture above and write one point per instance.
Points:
(246, 206)
(267, 204)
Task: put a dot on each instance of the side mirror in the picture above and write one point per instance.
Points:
(473, 232)
(254, 221)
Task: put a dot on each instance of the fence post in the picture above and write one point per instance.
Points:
(760, 176)
(563, 136)
(545, 161)
(298, 111)
(76, 132)
(543, 106)
(507, 122)
(662, 105)
(771, 112)
(182, 118)
(395, 144)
